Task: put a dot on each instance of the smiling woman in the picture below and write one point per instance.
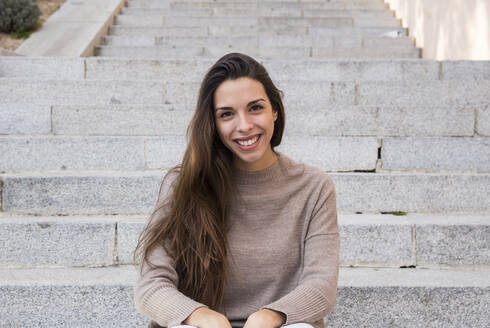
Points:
(242, 235)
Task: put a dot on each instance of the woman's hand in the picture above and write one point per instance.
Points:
(206, 318)
(265, 318)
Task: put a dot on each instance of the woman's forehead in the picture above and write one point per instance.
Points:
(238, 92)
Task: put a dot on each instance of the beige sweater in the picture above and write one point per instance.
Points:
(283, 249)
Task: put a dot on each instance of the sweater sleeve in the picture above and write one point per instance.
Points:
(315, 295)
(155, 294)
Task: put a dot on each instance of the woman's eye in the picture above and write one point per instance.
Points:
(224, 114)
(256, 107)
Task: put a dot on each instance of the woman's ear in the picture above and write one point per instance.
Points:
(274, 112)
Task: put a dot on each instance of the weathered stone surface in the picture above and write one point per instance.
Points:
(25, 118)
(358, 70)
(313, 119)
(436, 153)
(366, 52)
(376, 240)
(149, 52)
(483, 120)
(42, 68)
(80, 92)
(34, 153)
(433, 93)
(427, 192)
(333, 153)
(102, 297)
(81, 193)
(133, 193)
(125, 120)
(465, 70)
(157, 31)
(425, 120)
(157, 69)
(56, 241)
(128, 232)
(453, 240)
(164, 152)
(76, 297)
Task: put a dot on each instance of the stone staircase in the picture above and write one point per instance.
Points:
(84, 144)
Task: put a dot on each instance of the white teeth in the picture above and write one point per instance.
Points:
(248, 142)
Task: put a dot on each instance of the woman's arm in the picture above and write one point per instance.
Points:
(315, 295)
(156, 295)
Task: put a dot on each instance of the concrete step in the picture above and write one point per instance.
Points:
(261, 10)
(155, 20)
(426, 154)
(237, 31)
(267, 52)
(318, 120)
(319, 94)
(193, 70)
(257, 41)
(51, 68)
(421, 240)
(102, 297)
(314, 94)
(246, 5)
(29, 91)
(113, 192)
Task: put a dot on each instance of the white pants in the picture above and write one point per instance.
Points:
(293, 325)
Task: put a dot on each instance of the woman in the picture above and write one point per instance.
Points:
(242, 235)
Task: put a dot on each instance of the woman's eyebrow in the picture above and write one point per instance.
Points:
(249, 104)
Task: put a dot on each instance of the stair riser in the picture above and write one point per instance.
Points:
(354, 41)
(381, 241)
(264, 52)
(203, 22)
(103, 306)
(255, 30)
(357, 192)
(263, 11)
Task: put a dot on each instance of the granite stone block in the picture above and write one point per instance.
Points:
(125, 120)
(410, 307)
(425, 120)
(453, 241)
(436, 154)
(375, 240)
(465, 70)
(56, 241)
(80, 92)
(164, 152)
(359, 70)
(149, 52)
(71, 153)
(25, 118)
(425, 93)
(156, 31)
(408, 192)
(168, 70)
(365, 52)
(333, 153)
(128, 232)
(96, 193)
(483, 120)
(41, 68)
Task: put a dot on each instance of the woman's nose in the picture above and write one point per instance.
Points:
(245, 122)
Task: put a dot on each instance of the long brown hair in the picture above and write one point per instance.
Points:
(190, 219)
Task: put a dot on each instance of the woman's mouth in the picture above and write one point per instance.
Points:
(250, 143)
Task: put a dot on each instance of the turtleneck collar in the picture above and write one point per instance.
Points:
(277, 169)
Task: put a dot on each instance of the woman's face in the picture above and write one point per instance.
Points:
(244, 113)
